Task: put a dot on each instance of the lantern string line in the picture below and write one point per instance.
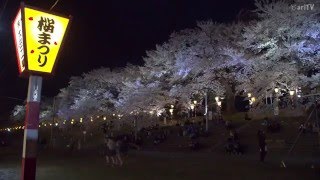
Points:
(54, 5)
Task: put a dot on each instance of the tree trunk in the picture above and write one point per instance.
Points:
(230, 100)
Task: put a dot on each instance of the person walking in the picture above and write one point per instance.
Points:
(262, 145)
(107, 151)
(119, 146)
(111, 146)
(263, 151)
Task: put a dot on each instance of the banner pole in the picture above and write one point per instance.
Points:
(29, 153)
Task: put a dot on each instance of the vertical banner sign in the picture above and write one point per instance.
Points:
(38, 37)
(19, 42)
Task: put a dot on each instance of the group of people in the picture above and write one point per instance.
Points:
(192, 131)
(272, 125)
(227, 124)
(159, 138)
(157, 134)
(233, 144)
(115, 148)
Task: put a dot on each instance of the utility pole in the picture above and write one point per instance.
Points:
(206, 111)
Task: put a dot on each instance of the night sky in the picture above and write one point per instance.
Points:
(105, 33)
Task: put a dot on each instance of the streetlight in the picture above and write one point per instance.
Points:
(171, 112)
(192, 108)
(291, 92)
(298, 92)
(276, 107)
(251, 100)
(219, 103)
(195, 107)
(217, 98)
(24, 29)
(158, 113)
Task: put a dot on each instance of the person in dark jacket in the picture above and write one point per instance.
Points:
(262, 145)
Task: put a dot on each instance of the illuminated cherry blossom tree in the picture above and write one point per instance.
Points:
(279, 48)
